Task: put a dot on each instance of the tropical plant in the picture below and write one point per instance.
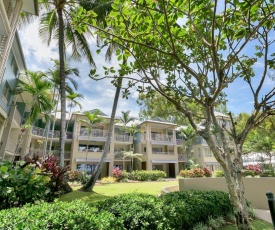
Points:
(72, 102)
(56, 24)
(39, 87)
(202, 48)
(70, 85)
(132, 156)
(91, 120)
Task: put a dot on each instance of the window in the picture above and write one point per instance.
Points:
(89, 168)
(14, 66)
(207, 152)
(157, 167)
(156, 150)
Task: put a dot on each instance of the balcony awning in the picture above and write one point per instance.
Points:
(164, 161)
(84, 160)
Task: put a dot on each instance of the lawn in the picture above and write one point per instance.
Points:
(104, 191)
(256, 224)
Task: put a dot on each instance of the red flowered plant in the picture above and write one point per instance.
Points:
(255, 169)
(118, 174)
(207, 172)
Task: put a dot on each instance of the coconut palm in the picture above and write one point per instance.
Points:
(72, 102)
(91, 120)
(36, 84)
(132, 156)
(55, 24)
(125, 119)
(70, 85)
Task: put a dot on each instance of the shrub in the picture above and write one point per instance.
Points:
(252, 170)
(186, 173)
(138, 211)
(146, 175)
(21, 184)
(207, 172)
(118, 174)
(197, 172)
(75, 176)
(246, 173)
(193, 206)
(218, 173)
(107, 180)
(58, 215)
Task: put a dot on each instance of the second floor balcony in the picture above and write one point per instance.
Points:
(41, 153)
(157, 138)
(163, 153)
(123, 138)
(94, 134)
(55, 134)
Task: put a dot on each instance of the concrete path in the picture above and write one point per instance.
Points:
(263, 215)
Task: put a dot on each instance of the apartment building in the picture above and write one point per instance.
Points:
(12, 63)
(160, 143)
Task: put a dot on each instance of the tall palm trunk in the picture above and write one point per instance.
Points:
(90, 184)
(62, 80)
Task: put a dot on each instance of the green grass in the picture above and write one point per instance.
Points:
(256, 225)
(104, 191)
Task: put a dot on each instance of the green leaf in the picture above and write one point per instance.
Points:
(4, 169)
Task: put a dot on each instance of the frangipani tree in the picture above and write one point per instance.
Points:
(191, 52)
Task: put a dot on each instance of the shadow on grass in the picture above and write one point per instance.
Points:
(89, 197)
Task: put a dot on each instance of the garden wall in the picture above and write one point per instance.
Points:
(255, 188)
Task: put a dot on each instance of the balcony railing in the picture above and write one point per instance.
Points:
(4, 99)
(39, 152)
(56, 134)
(17, 117)
(179, 141)
(162, 137)
(123, 138)
(11, 146)
(163, 153)
(10, 8)
(95, 150)
(93, 133)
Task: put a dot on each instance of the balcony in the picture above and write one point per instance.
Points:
(4, 99)
(94, 150)
(95, 134)
(123, 138)
(11, 146)
(56, 134)
(39, 152)
(163, 153)
(179, 141)
(17, 117)
(10, 7)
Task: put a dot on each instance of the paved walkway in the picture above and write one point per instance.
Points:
(263, 215)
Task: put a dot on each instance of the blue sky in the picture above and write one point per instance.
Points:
(100, 94)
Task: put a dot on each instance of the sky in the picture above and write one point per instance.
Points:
(100, 94)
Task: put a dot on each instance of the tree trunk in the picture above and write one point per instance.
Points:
(90, 184)
(62, 80)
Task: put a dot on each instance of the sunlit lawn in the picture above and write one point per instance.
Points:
(256, 224)
(104, 191)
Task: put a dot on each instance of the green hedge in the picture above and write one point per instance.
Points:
(58, 215)
(179, 210)
(145, 175)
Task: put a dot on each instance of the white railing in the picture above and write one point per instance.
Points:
(123, 138)
(93, 133)
(17, 116)
(56, 134)
(95, 150)
(11, 146)
(161, 137)
(4, 100)
(164, 153)
(10, 7)
(3, 42)
(39, 152)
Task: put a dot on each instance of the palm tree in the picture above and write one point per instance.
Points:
(132, 156)
(55, 23)
(188, 134)
(71, 97)
(39, 87)
(90, 121)
(70, 86)
(125, 119)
